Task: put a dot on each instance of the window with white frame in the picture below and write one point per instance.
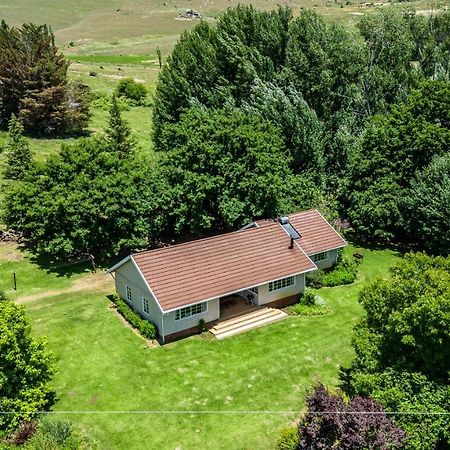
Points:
(145, 305)
(281, 283)
(129, 297)
(189, 311)
(254, 290)
(320, 256)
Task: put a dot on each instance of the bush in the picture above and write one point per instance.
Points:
(344, 272)
(307, 297)
(146, 328)
(24, 432)
(369, 427)
(309, 304)
(131, 90)
(202, 326)
(58, 434)
(288, 439)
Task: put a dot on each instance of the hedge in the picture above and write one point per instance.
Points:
(146, 328)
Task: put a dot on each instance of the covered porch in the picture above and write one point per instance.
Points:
(235, 305)
(239, 313)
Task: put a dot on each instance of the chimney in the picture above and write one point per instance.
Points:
(288, 227)
(291, 246)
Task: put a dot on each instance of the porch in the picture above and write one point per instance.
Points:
(238, 314)
(235, 305)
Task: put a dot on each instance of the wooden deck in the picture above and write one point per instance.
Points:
(235, 305)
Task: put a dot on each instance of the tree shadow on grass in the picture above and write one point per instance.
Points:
(398, 247)
(67, 268)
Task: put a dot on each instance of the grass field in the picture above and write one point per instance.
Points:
(221, 389)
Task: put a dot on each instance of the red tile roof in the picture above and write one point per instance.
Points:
(317, 235)
(200, 270)
(207, 268)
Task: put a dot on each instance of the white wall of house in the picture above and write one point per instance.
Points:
(128, 275)
(264, 296)
(171, 325)
(326, 263)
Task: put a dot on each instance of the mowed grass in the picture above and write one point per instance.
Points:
(199, 392)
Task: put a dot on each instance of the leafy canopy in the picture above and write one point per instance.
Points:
(34, 84)
(332, 423)
(17, 149)
(226, 168)
(26, 368)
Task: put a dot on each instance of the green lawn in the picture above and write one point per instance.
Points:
(104, 366)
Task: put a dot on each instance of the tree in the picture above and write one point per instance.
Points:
(18, 151)
(325, 62)
(393, 148)
(34, 84)
(118, 133)
(216, 66)
(331, 423)
(435, 50)
(391, 48)
(402, 348)
(301, 130)
(407, 319)
(225, 169)
(26, 368)
(416, 404)
(87, 200)
(428, 207)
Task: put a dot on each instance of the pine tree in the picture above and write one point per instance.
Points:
(18, 153)
(118, 133)
(34, 83)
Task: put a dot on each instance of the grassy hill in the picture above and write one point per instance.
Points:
(138, 27)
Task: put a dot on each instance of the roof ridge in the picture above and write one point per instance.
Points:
(209, 238)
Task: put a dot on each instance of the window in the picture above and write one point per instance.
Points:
(281, 283)
(189, 311)
(254, 290)
(129, 297)
(320, 256)
(145, 305)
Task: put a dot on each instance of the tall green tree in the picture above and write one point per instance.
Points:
(34, 84)
(301, 130)
(225, 168)
(428, 207)
(402, 347)
(17, 149)
(216, 66)
(393, 148)
(26, 368)
(391, 46)
(87, 200)
(118, 133)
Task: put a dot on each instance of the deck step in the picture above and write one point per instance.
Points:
(267, 315)
(242, 317)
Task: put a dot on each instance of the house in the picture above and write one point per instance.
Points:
(264, 263)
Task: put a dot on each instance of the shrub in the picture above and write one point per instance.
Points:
(202, 326)
(368, 428)
(344, 272)
(146, 328)
(307, 297)
(288, 439)
(131, 90)
(58, 434)
(24, 432)
(309, 304)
